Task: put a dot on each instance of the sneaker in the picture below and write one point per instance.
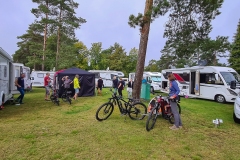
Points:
(173, 127)
(17, 104)
(180, 127)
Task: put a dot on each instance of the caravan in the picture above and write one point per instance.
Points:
(5, 61)
(16, 70)
(107, 76)
(208, 82)
(37, 77)
(154, 78)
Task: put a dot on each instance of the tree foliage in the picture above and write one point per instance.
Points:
(234, 59)
(188, 31)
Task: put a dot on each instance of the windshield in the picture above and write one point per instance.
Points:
(230, 76)
(156, 78)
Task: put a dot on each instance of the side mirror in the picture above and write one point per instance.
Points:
(216, 77)
(31, 78)
(233, 85)
(150, 81)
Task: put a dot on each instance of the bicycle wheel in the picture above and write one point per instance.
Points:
(137, 111)
(69, 100)
(64, 97)
(152, 118)
(171, 117)
(104, 111)
(52, 97)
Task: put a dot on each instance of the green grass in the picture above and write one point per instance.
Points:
(42, 130)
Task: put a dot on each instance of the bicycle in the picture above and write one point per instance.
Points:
(66, 96)
(135, 110)
(54, 95)
(160, 106)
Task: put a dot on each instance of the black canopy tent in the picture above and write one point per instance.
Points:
(86, 79)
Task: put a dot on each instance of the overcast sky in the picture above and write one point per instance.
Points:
(107, 22)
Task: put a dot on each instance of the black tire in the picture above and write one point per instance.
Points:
(152, 118)
(69, 100)
(52, 98)
(137, 111)
(220, 98)
(106, 109)
(64, 97)
(171, 117)
(236, 120)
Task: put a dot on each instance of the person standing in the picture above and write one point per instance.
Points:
(76, 86)
(20, 87)
(173, 94)
(66, 82)
(115, 84)
(99, 85)
(47, 81)
(120, 87)
(130, 88)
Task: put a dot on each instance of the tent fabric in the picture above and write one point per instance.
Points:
(86, 79)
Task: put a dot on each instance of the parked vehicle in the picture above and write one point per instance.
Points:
(154, 78)
(5, 62)
(16, 70)
(107, 76)
(38, 77)
(207, 82)
(236, 110)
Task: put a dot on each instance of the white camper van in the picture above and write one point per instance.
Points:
(107, 76)
(37, 77)
(16, 70)
(5, 61)
(208, 82)
(154, 78)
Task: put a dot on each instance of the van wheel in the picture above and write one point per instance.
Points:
(220, 98)
(236, 120)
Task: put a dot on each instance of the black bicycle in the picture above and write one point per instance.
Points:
(54, 96)
(135, 110)
(160, 106)
(66, 96)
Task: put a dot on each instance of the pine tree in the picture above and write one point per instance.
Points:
(234, 60)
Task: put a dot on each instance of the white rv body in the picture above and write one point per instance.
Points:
(107, 76)
(154, 78)
(5, 61)
(206, 82)
(37, 77)
(16, 70)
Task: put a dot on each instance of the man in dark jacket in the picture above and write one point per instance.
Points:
(115, 84)
(20, 87)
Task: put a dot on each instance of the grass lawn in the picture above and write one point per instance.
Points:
(41, 130)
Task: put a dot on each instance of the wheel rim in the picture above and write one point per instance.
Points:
(220, 98)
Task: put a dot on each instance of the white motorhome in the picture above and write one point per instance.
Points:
(16, 70)
(37, 77)
(154, 78)
(207, 82)
(5, 61)
(107, 76)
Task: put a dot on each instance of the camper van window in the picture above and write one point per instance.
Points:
(5, 71)
(207, 78)
(40, 75)
(230, 76)
(156, 78)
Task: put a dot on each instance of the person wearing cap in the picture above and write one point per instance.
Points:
(76, 86)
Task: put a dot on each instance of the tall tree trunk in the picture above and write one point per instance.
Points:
(44, 40)
(142, 50)
(58, 38)
(215, 59)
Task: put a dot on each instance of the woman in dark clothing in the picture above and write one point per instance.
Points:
(120, 87)
(173, 93)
